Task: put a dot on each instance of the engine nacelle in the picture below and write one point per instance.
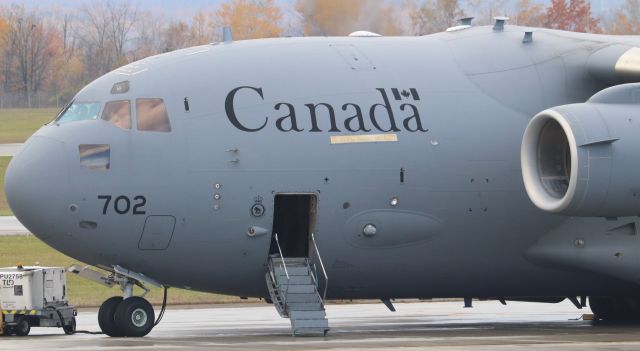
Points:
(584, 159)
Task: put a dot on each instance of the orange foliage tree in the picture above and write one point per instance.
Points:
(251, 19)
(575, 16)
(435, 16)
(529, 14)
(626, 20)
(30, 48)
(339, 17)
(4, 32)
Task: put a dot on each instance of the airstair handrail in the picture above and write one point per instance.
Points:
(281, 256)
(324, 271)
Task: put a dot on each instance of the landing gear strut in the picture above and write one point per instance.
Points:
(129, 316)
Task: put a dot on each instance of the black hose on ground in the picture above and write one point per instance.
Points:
(77, 331)
(164, 307)
(88, 332)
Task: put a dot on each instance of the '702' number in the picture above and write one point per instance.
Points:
(123, 205)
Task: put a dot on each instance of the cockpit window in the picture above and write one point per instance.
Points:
(118, 113)
(79, 111)
(151, 115)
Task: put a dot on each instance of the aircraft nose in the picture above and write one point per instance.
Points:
(36, 182)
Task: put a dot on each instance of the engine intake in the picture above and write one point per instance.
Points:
(584, 159)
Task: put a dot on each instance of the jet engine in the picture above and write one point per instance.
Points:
(584, 159)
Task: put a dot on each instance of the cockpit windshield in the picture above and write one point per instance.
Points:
(79, 111)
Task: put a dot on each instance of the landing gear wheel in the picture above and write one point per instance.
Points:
(602, 307)
(70, 328)
(615, 309)
(8, 331)
(106, 316)
(135, 317)
(22, 327)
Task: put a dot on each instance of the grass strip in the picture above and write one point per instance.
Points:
(4, 206)
(16, 125)
(29, 250)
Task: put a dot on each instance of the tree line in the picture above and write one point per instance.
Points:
(48, 54)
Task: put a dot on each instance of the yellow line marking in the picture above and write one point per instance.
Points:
(364, 138)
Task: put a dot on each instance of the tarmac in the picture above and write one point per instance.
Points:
(9, 149)
(10, 225)
(415, 326)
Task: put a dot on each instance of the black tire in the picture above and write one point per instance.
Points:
(7, 331)
(601, 307)
(22, 327)
(70, 328)
(615, 309)
(135, 317)
(106, 316)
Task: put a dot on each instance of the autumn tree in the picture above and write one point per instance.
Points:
(626, 19)
(204, 27)
(251, 19)
(175, 36)
(148, 37)
(4, 53)
(434, 16)
(575, 16)
(529, 14)
(338, 17)
(68, 70)
(104, 33)
(122, 17)
(583, 20)
(486, 10)
(30, 50)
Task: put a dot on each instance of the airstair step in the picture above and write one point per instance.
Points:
(310, 331)
(301, 289)
(294, 298)
(292, 271)
(295, 280)
(309, 323)
(301, 315)
(302, 306)
(295, 260)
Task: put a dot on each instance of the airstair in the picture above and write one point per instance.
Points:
(293, 286)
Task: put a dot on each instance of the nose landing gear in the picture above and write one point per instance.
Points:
(129, 316)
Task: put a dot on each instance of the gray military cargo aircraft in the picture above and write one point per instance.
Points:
(494, 162)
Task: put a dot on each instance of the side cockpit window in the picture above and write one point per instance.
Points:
(95, 157)
(118, 113)
(151, 115)
(79, 111)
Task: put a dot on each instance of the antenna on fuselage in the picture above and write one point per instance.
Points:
(500, 21)
(227, 37)
(466, 21)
